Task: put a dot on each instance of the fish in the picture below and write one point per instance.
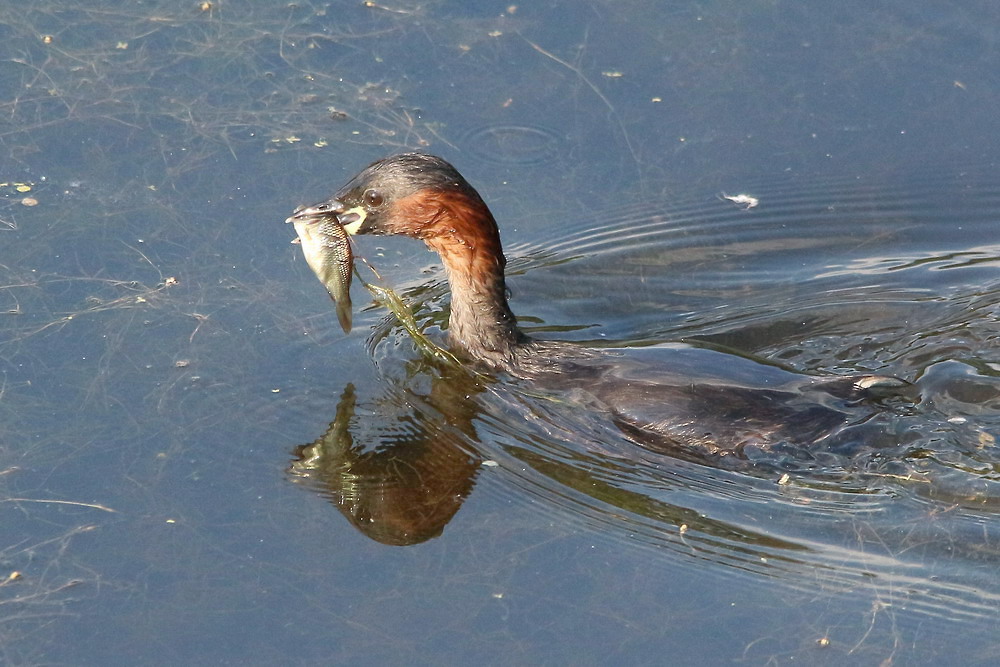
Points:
(327, 249)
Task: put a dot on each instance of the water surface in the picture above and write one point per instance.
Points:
(199, 467)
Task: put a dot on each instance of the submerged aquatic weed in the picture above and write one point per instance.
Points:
(385, 296)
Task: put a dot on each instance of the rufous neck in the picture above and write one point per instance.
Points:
(481, 322)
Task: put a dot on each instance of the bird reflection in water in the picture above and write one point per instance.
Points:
(404, 484)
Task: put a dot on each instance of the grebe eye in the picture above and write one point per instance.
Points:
(373, 198)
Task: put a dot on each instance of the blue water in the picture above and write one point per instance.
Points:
(198, 467)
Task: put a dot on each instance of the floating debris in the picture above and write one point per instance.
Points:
(748, 202)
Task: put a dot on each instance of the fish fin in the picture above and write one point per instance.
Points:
(344, 314)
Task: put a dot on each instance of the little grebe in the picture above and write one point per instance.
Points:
(666, 396)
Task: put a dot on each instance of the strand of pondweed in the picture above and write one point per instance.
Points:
(388, 298)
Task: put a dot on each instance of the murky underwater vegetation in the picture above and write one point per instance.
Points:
(197, 466)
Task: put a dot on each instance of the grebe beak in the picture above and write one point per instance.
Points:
(320, 210)
(350, 219)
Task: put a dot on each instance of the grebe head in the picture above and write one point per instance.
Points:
(416, 195)
(424, 197)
